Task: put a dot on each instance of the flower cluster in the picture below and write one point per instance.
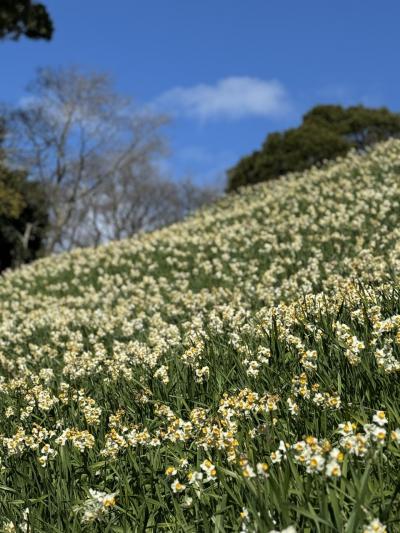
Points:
(249, 354)
(96, 506)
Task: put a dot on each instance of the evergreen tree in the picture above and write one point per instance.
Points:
(24, 17)
(327, 131)
(23, 216)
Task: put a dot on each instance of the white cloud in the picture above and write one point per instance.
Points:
(233, 97)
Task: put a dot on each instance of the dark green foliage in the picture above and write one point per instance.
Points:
(327, 131)
(24, 17)
(22, 228)
(359, 125)
(23, 217)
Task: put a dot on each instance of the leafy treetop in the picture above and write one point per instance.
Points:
(327, 132)
(24, 17)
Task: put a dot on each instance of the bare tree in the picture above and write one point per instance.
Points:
(98, 158)
(76, 135)
(138, 199)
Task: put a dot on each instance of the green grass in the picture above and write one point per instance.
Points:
(206, 376)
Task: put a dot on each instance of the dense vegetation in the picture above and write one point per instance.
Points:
(326, 132)
(237, 371)
(24, 18)
(23, 215)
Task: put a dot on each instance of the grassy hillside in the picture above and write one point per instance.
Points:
(238, 371)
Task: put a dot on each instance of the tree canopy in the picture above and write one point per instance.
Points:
(24, 17)
(326, 132)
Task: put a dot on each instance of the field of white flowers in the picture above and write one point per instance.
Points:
(235, 372)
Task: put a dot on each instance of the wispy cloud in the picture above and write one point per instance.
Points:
(233, 98)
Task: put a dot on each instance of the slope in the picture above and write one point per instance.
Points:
(235, 371)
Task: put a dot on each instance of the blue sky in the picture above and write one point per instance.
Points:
(229, 71)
